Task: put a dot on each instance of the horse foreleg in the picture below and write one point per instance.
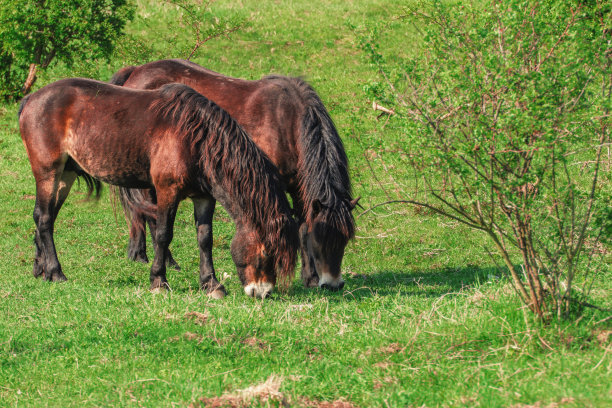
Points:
(203, 210)
(169, 258)
(309, 275)
(166, 212)
(310, 279)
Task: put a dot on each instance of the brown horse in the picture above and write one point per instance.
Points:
(287, 120)
(173, 140)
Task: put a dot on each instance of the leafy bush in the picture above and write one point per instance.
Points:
(506, 113)
(36, 33)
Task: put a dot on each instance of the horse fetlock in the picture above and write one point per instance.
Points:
(171, 263)
(38, 269)
(137, 256)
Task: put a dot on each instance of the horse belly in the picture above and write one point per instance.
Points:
(120, 167)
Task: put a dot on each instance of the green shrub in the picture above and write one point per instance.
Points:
(506, 113)
(37, 33)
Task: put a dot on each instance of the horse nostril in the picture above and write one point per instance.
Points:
(341, 285)
(326, 286)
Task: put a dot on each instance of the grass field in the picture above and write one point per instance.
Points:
(425, 318)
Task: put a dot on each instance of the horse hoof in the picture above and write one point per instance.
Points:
(54, 277)
(58, 277)
(158, 290)
(159, 287)
(219, 293)
(172, 264)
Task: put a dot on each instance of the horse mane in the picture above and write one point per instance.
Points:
(322, 166)
(230, 159)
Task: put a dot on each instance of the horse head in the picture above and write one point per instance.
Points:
(326, 241)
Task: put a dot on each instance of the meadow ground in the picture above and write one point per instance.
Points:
(425, 318)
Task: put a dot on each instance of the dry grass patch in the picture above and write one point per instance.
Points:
(189, 336)
(538, 404)
(391, 348)
(267, 392)
(313, 403)
(256, 343)
(197, 317)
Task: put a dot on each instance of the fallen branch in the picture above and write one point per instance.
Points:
(381, 108)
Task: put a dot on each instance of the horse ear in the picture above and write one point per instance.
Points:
(355, 202)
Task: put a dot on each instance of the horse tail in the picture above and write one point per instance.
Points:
(23, 104)
(137, 204)
(323, 165)
(120, 77)
(92, 183)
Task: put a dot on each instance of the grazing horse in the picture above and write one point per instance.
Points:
(175, 141)
(287, 120)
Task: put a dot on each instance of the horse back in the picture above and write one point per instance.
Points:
(269, 110)
(108, 131)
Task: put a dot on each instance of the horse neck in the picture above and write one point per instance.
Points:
(241, 178)
(323, 165)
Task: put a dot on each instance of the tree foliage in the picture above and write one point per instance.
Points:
(506, 113)
(36, 33)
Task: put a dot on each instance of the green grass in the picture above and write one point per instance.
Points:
(424, 320)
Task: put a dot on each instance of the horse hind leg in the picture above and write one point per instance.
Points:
(66, 181)
(51, 193)
(137, 244)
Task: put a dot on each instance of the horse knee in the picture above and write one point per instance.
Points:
(36, 215)
(163, 236)
(43, 220)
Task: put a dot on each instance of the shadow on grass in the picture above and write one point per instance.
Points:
(425, 283)
(434, 283)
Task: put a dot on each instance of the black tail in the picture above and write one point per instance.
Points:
(122, 75)
(93, 185)
(22, 105)
(137, 205)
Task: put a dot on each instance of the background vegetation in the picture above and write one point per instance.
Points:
(426, 318)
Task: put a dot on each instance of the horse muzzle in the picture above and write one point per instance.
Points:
(260, 290)
(327, 281)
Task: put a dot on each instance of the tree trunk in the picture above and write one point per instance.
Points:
(29, 80)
